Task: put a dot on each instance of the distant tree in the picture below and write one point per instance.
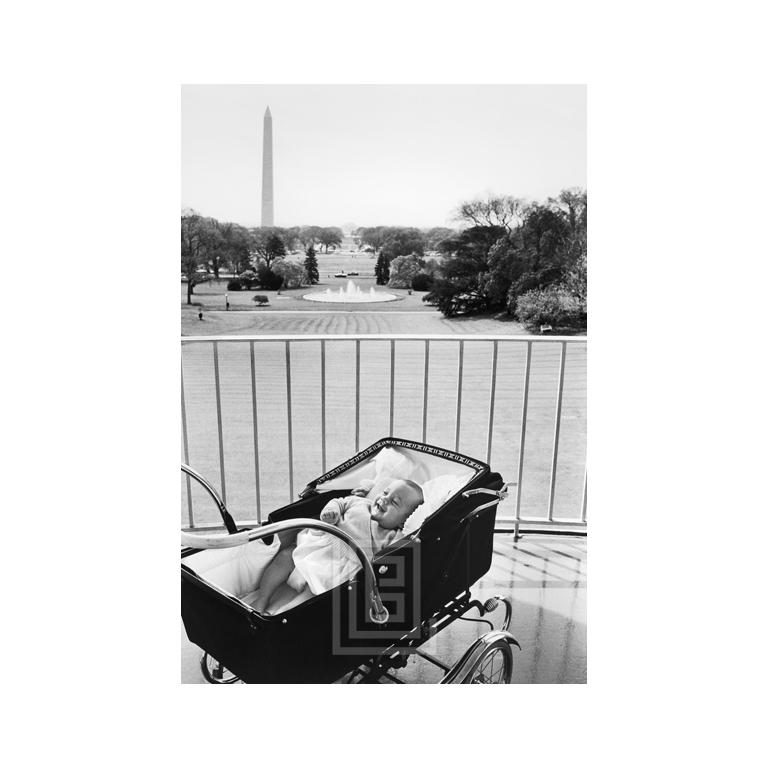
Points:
(433, 237)
(403, 241)
(257, 243)
(459, 289)
(249, 279)
(269, 280)
(381, 270)
(310, 266)
(423, 281)
(575, 282)
(505, 265)
(309, 236)
(228, 246)
(216, 247)
(196, 242)
(403, 270)
(266, 245)
(374, 237)
(330, 237)
(275, 250)
(237, 246)
(573, 203)
(551, 306)
(292, 273)
(505, 211)
(290, 237)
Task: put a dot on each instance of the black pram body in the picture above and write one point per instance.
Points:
(321, 639)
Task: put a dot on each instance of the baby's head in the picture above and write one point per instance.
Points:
(392, 507)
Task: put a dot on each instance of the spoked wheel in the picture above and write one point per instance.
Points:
(488, 661)
(214, 672)
(494, 667)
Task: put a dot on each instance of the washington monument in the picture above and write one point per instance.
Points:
(267, 194)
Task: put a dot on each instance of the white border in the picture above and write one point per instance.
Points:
(676, 154)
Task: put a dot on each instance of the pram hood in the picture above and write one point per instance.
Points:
(441, 473)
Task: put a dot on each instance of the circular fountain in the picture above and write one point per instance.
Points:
(350, 294)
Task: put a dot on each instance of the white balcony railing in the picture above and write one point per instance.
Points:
(263, 415)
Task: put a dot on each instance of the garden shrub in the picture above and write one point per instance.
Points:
(402, 270)
(268, 280)
(291, 273)
(422, 282)
(260, 299)
(248, 278)
(547, 306)
(235, 284)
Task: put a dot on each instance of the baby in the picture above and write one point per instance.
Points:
(315, 561)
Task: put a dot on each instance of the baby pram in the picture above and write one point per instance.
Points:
(368, 626)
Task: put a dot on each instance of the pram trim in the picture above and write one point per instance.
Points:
(394, 442)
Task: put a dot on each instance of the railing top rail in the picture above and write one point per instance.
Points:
(385, 337)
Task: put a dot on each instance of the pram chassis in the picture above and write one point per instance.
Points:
(467, 670)
(470, 668)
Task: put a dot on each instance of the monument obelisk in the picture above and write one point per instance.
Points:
(267, 191)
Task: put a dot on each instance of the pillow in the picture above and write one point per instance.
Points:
(392, 463)
(436, 492)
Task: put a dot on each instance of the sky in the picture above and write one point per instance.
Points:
(399, 155)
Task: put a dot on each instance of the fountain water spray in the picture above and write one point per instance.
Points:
(350, 294)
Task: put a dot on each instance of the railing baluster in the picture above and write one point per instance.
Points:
(322, 398)
(426, 392)
(391, 387)
(218, 420)
(492, 402)
(523, 421)
(518, 522)
(556, 442)
(185, 439)
(357, 395)
(254, 411)
(290, 418)
(458, 393)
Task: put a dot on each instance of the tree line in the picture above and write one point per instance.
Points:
(527, 258)
(209, 246)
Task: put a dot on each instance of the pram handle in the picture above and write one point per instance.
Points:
(225, 516)
(499, 495)
(378, 613)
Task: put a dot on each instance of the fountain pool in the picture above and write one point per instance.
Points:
(351, 294)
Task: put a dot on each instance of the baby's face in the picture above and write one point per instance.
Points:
(391, 508)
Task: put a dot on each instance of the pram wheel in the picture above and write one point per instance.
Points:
(494, 667)
(214, 672)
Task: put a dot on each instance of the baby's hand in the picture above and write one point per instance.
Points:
(363, 489)
(330, 516)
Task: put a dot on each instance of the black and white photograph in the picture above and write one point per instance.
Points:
(301, 291)
(383, 384)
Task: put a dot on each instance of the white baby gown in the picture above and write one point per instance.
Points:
(323, 561)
